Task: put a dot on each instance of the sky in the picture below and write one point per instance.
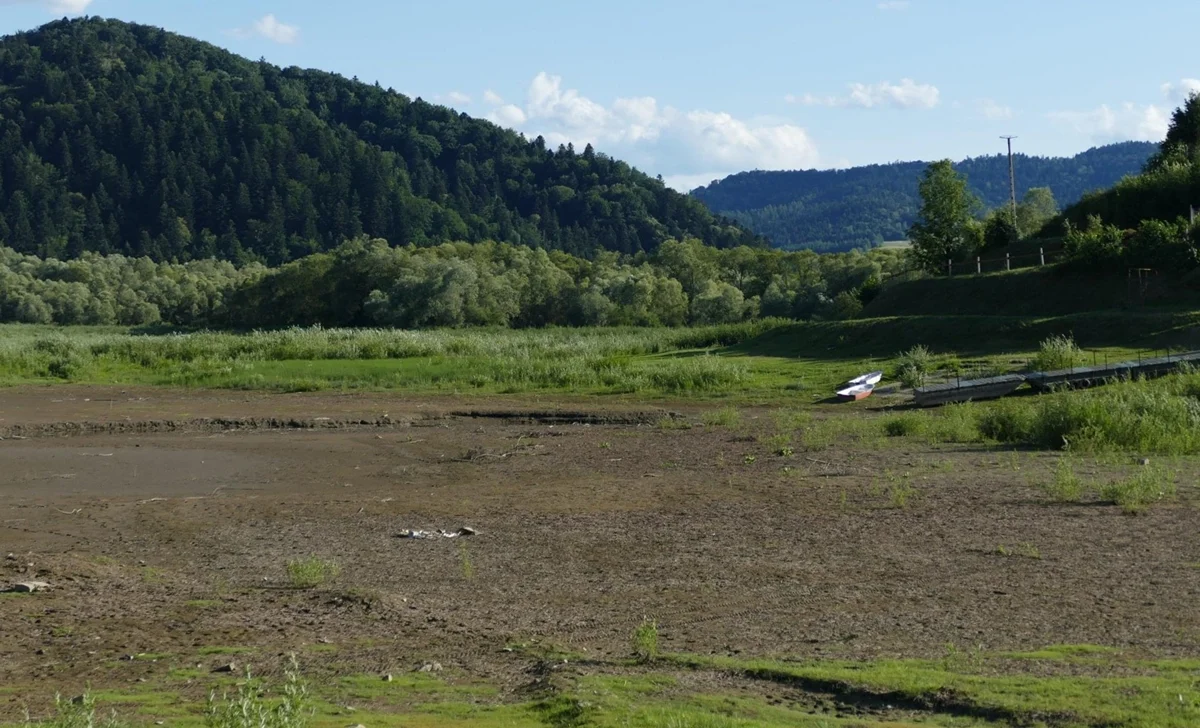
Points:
(694, 90)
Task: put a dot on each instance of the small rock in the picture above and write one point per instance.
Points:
(11, 557)
(467, 531)
(431, 667)
(387, 677)
(230, 667)
(356, 725)
(1144, 461)
(26, 587)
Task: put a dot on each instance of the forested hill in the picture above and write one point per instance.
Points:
(864, 206)
(122, 138)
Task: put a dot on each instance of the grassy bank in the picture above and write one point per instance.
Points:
(1073, 685)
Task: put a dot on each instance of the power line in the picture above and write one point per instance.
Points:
(1012, 179)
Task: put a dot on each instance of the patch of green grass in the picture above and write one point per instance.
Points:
(723, 417)
(905, 425)
(311, 571)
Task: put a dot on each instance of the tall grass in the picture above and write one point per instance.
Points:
(615, 359)
(1160, 416)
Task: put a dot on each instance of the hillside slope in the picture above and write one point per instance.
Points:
(124, 138)
(863, 206)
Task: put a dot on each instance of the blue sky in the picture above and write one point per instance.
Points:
(697, 89)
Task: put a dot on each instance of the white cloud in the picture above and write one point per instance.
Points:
(907, 94)
(684, 145)
(893, 5)
(509, 115)
(269, 27)
(457, 97)
(67, 7)
(991, 109)
(492, 98)
(1182, 89)
(1127, 121)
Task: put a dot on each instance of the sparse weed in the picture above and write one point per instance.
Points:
(749, 459)
(311, 572)
(464, 561)
(77, 713)
(645, 641)
(723, 417)
(900, 489)
(789, 420)
(673, 423)
(779, 443)
(1065, 486)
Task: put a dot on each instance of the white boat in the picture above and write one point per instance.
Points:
(871, 378)
(855, 393)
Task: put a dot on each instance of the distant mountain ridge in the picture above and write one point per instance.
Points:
(124, 138)
(864, 206)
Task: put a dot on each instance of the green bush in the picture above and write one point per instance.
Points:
(1055, 353)
(914, 366)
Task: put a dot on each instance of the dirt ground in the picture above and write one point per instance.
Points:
(163, 521)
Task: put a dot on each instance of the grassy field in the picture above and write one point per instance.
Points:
(758, 361)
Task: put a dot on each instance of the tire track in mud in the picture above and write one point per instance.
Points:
(195, 425)
(251, 424)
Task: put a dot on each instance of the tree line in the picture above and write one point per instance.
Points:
(368, 282)
(123, 138)
(1143, 221)
(864, 206)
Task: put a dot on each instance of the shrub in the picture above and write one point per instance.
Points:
(645, 641)
(1057, 352)
(905, 425)
(1147, 486)
(310, 572)
(913, 366)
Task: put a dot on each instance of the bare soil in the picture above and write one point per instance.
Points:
(164, 521)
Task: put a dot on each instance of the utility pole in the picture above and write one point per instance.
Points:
(1012, 179)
